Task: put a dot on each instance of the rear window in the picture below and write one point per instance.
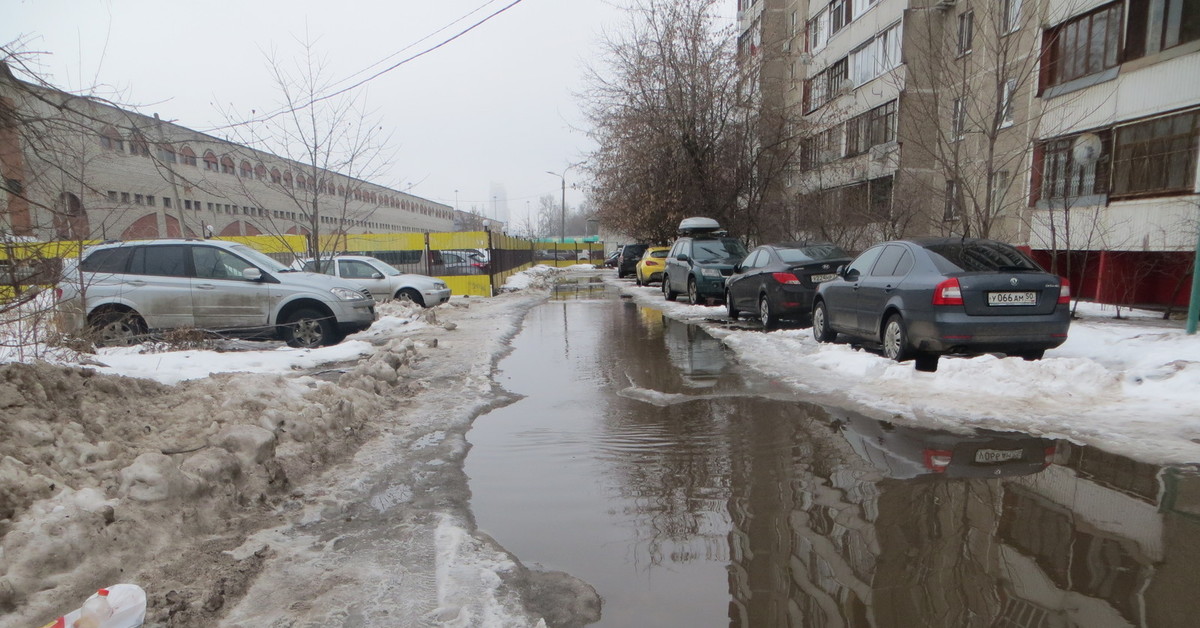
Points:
(979, 257)
(811, 253)
(113, 260)
(660, 254)
(729, 250)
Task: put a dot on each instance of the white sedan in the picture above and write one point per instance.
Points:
(383, 280)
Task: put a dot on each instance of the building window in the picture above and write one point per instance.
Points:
(839, 15)
(287, 179)
(1000, 182)
(187, 204)
(260, 172)
(1064, 177)
(187, 156)
(166, 154)
(139, 146)
(953, 207)
(966, 31)
(877, 126)
(1156, 25)
(210, 161)
(276, 178)
(1010, 15)
(167, 202)
(1006, 103)
(818, 33)
(1084, 45)
(958, 119)
(112, 196)
(150, 200)
(246, 171)
(1156, 156)
(110, 139)
(226, 165)
(125, 197)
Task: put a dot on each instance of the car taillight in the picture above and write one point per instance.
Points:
(948, 293)
(649, 263)
(786, 278)
(937, 460)
(1064, 292)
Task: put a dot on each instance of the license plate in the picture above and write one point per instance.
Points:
(992, 456)
(825, 277)
(1012, 298)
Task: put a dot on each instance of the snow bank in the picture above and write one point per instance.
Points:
(1131, 383)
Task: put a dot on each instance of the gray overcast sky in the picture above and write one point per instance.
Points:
(497, 105)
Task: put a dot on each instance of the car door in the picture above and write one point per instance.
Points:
(877, 286)
(222, 297)
(676, 271)
(159, 286)
(742, 283)
(365, 275)
(841, 295)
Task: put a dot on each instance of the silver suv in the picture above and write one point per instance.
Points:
(120, 291)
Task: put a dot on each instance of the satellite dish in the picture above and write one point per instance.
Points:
(1086, 149)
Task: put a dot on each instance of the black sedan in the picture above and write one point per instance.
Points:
(921, 298)
(778, 281)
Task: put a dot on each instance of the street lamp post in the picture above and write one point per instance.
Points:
(562, 224)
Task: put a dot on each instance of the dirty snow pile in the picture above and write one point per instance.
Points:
(151, 465)
(539, 277)
(1131, 383)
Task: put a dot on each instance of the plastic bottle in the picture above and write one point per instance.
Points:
(95, 611)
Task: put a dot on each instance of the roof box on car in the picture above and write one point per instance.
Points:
(699, 226)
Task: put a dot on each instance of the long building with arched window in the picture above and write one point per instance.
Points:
(79, 168)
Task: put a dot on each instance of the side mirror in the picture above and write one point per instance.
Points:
(376, 275)
(252, 274)
(737, 268)
(683, 257)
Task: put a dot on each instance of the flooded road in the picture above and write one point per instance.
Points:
(689, 492)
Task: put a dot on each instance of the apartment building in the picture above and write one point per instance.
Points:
(79, 168)
(1068, 127)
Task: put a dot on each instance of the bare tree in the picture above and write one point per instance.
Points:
(672, 112)
(335, 138)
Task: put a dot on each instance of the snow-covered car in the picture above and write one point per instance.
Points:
(381, 279)
(120, 291)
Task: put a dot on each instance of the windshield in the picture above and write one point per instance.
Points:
(728, 250)
(811, 253)
(979, 256)
(261, 260)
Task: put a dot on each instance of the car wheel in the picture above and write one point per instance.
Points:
(408, 294)
(114, 328)
(820, 324)
(765, 315)
(895, 339)
(1033, 355)
(729, 305)
(925, 362)
(638, 279)
(306, 329)
(620, 273)
(668, 293)
(693, 291)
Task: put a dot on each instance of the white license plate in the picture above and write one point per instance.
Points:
(825, 277)
(991, 456)
(1012, 298)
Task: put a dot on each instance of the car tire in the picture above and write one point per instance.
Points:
(408, 294)
(820, 324)
(307, 329)
(116, 328)
(668, 293)
(693, 291)
(1030, 356)
(768, 318)
(927, 362)
(620, 273)
(730, 307)
(637, 279)
(895, 339)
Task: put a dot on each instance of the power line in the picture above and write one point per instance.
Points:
(287, 110)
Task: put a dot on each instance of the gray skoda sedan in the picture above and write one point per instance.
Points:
(921, 298)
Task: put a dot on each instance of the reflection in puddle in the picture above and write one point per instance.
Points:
(691, 494)
(566, 289)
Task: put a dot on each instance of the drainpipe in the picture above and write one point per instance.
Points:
(1194, 302)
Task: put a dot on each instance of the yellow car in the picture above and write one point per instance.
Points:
(650, 268)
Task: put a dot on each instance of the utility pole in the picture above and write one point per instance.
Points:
(562, 224)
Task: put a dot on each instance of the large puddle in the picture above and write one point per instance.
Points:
(689, 493)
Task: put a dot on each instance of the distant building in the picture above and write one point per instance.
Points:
(78, 168)
(1069, 127)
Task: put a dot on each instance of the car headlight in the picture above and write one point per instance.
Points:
(710, 272)
(440, 285)
(347, 294)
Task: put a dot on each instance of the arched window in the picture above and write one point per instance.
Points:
(245, 170)
(300, 181)
(166, 153)
(341, 191)
(138, 145)
(287, 179)
(210, 161)
(187, 156)
(227, 164)
(70, 221)
(260, 172)
(110, 139)
(275, 178)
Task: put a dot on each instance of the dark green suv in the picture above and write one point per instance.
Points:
(698, 264)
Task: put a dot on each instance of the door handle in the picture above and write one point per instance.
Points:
(137, 283)
(205, 286)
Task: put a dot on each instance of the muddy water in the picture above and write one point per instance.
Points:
(690, 493)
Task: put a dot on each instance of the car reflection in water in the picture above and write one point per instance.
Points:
(904, 452)
(699, 357)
